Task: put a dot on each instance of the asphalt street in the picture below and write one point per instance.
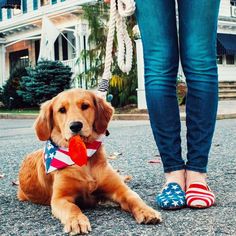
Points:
(134, 140)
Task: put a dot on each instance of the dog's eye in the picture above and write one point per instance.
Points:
(62, 110)
(84, 106)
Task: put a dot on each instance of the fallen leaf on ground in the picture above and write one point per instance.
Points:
(108, 203)
(117, 153)
(154, 161)
(1, 176)
(15, 183)
(114, 155)
(127, 178)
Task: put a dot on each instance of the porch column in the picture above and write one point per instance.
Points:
(71, 51)
(77, 54)
(140, 69)
(60, 48)
(83, 44)
(2, 65)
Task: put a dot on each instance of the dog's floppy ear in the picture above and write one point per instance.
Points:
(104, 112)
(43, 123)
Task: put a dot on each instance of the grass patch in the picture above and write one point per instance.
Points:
(20, 111)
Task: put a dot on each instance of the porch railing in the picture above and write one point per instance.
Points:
(75, 70)
(73, 65)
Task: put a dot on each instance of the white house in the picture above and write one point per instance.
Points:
(20, 33)
(227, 41)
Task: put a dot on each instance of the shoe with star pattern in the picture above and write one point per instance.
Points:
(172, 197)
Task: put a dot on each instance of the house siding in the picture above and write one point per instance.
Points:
(27, 7)
(225, 8)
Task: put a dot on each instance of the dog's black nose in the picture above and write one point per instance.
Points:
(75, 127)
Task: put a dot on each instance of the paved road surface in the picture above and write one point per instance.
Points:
(134, 140)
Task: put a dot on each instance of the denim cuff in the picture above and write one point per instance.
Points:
(174, 168)
(196, 169)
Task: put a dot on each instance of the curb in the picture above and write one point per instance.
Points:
(115, 116)
(130, 117)
(17, 116)
(226, 116)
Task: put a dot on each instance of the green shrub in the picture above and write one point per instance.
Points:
(1, 94)
(44, 81)
(132, 99)
(181, 90)
(10, 98)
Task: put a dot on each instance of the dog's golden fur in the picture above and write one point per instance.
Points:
(72, 187)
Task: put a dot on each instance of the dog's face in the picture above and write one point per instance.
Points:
(73, 112)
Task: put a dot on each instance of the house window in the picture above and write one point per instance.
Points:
(18, 59)
(73, 48)
(64, 48)
(54, 1)
(37, 48)
(233, 2)
(233, 8)
(56, 49)
(219, 59)
(229, 59)
(44, 2)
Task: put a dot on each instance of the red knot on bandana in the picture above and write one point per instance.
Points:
(56, 158)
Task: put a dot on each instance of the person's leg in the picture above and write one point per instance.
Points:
(157, 23)
(198, 27)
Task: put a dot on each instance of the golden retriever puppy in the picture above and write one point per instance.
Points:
(77, 112)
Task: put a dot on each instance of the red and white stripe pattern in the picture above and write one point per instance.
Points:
(56, 158)
(199, 195)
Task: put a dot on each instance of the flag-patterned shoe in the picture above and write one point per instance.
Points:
(199, 195)
(172, 197)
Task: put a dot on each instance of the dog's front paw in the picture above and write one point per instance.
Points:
(146, 215)
(77, 225)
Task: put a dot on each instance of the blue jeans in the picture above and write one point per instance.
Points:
(197, 51)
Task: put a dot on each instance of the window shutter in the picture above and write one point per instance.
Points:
(63, 0)
(8, 13)
(0, 14)
(54, 1)
(35, 4)
(24, 6)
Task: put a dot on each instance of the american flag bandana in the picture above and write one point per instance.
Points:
(56, 158)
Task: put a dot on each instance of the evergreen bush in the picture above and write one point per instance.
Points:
(1, 93)
(10, 98)
(44, 81)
